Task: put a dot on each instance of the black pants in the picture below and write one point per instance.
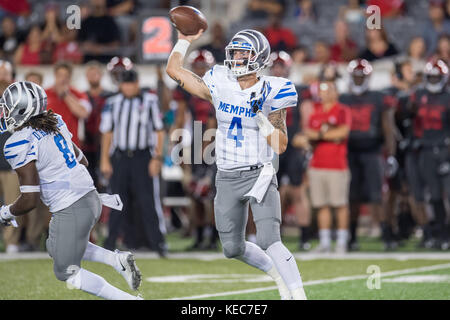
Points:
(136, 188)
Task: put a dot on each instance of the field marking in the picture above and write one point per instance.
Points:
(321, 281)
(211, 256)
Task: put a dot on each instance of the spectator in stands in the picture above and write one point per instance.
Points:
(31, 51)
(280, 38)
(68, 48)
(97, 97)
(417, 53)
(99, 34)
(299, 57)
(344, 49)
(377, 45)
(68, 102)
(16, 7)
(35, 77)
(305, 11)
(443, 49)
(10, 38)
(262, 9)
(389, 8)
(447, 10)
(329, 177)
(218, 42)
(121, 7)
(51, 28)
(321, 52)
(352, 12)
(436, 25)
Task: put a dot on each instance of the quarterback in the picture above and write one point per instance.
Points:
(251, 116)
(53, 168)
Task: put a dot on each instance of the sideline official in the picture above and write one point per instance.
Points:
(131, 155)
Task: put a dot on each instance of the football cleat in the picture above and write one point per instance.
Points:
(126, 266)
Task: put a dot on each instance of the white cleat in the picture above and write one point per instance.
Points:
(126, 266)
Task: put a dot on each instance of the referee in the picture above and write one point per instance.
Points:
(131, 156)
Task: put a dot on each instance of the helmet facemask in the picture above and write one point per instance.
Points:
(242, 66)
(258, 48)
(6, 122)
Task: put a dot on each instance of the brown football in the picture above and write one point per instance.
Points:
(188, 20)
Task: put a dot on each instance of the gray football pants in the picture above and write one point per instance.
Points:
(231, 211)
(69, 233)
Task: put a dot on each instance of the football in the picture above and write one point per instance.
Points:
(188, 20)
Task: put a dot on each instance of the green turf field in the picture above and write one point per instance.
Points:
(192, 276)
(324, 279)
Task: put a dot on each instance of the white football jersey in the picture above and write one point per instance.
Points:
(238, 142)
(63, 180)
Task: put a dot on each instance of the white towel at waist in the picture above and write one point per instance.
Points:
(261, 185)
(111, 201)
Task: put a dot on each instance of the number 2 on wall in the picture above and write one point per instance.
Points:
(61, 143)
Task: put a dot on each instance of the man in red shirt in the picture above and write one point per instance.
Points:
(328, 129)
(72, 105)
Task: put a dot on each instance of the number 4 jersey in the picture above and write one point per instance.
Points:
(63, 180)
(238, 142)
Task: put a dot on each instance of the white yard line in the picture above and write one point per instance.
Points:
(322, 281)
(210, 256)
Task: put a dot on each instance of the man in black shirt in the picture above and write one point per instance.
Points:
(99, 34)
(432, 109)
(372, 126)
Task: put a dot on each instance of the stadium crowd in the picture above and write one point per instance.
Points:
(354, 151)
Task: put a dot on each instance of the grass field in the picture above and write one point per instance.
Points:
(209, 276)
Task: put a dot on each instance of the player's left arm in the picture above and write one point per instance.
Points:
(278, 138)
(30, 191)
(80, 155)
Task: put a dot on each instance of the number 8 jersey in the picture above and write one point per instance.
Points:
(238, 142)
(63, 180)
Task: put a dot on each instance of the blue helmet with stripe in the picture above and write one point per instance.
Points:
(21, 101)
(258, 52)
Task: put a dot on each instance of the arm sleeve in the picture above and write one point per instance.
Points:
(285, 96)
(107, 121)
(20, 151)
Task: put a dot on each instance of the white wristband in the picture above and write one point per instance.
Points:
(30, 189)
(265, 127)
(181, 46)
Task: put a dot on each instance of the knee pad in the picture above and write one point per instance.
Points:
(74, 279)
(233, 249)
(267, 232)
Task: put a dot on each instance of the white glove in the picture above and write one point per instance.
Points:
(265, 127)
(6, 218)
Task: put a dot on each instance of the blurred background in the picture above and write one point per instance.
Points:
(309, 38)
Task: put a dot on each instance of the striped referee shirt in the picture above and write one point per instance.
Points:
(133, 121)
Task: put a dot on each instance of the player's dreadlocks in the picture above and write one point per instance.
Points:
(46, 122)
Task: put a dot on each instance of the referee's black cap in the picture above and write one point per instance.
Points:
(128, 76)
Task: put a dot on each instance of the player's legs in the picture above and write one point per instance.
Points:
(67, 242)
(267, 215)
(231, 214)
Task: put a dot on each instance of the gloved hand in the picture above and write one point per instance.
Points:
(257, 100)
(391, 166)
(6, 218)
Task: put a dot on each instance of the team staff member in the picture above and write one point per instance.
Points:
(329, 177)
(372, 126)
(129, 122)
(68, 102)
(432, 108)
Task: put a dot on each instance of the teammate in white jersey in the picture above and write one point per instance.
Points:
(251, 115)
(51, 167)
